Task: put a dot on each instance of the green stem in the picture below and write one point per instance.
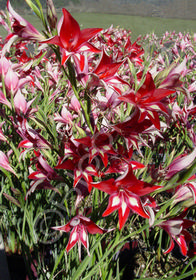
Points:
(86, 109)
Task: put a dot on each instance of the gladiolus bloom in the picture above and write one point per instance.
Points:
(4, 162)
(72, 40)
(80, 226)
(176, 228)
(21, 27)
(148, 99)
(125, 193)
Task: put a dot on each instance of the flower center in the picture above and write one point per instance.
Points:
(75, 222)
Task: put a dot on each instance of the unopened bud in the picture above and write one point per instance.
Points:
(51, 14)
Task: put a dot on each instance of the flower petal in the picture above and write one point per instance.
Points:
(107, 186)
(114, 204)
(73, 239)
(171, 246)
(123, 213)
(134, 203)
(88, 33)
(69, 32)
(180, 240)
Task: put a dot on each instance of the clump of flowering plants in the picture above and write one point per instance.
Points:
(97, 149)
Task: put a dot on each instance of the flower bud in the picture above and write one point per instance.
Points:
(51, 14)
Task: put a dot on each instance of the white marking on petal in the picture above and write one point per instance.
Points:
(40, 176)
(133, 201)
(106, 148)
(123, 206)
(151, 113)
(93, 152)
(115, 201)
(74, 222)
(73, 237)
(90, 169)
(178, 239)
(84, 48)
(155, 107)
(84, 235)
(85, 175)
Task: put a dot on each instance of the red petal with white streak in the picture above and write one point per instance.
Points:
(134, 203)
(180, 240)
(73, 239)
(171, 246)
(114, 204)
(123, 213)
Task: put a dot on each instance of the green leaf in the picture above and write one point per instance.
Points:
(86, 261)
(37, 61)
(34, 8)
(163, 208)
(161, 76)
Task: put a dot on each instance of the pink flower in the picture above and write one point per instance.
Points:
(11, 80)
(21, 27)
(186, 193)
(4, 65)
(180, 163)
(65, 118)
(31, 137)
(22, 106)
(80, 226)
(172, 80)
(176, 228)
(4, 162)
(4, 100)
(2, 136)
(44, 174)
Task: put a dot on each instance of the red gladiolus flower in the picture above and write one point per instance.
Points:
(125, 193)
(80, 226)
(132, 127)
(134, 52)
(106, 71)
(72, 40)
(119, 162)
(148, 100)
(100, 144)
(77, 160)
(180, 163)
(44, 174)
(176, 228)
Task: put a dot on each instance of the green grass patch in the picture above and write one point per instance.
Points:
(137, 24)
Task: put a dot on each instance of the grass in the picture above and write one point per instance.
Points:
(137, 24)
